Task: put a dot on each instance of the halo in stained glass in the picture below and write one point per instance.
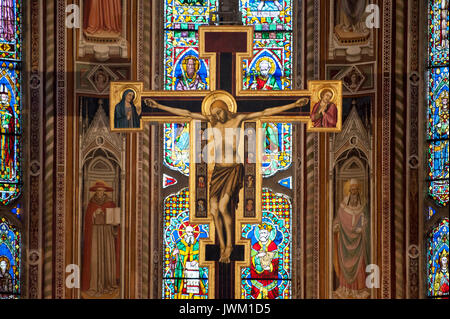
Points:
(438, 35)
(176, 147)
(269, 275)
(271, 65)
(10, 259)
(437, 261)
(277, 153)
(182, 276)
(183, 68)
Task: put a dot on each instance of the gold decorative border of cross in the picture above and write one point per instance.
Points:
(313, 92)
(314, 89)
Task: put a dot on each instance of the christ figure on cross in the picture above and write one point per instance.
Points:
(228, 174)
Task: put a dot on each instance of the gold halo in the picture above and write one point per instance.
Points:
(218, 95)
(347, 188)
(136, 97)
(272, 64)
(326, 88)
(185, 61)
(8, 264)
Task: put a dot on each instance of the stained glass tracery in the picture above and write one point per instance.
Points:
(438, 102)
(437, 261)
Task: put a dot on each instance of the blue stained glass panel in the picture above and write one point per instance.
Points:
(184, 70)
(438, 103)
(437, 261)
(431, 212)
(10, 260)
(176, 147)
(438, 24)
(439, 160)
(277, 154)
(271, 65)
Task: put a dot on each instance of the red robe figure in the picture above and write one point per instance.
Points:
(103, 16)
(8, 128)
(324, 113)
(101, 249)
(265, 80)
(264, 265)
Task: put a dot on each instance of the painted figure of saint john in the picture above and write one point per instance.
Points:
(325, 112)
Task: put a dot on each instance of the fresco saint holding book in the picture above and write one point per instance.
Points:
(101, 249)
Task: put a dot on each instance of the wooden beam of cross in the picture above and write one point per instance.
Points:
(225, 48)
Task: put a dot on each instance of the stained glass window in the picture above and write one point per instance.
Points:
(438, 102)
(271, 65)
(269, 274)
(437, 261)
(17, 211)
(431, 212)
(10, 30)
(269, 69)
(438, 32)
(183, 70)
(10, 260)
(277, 148)
(176, 147)
(183, 278)
(10, 101)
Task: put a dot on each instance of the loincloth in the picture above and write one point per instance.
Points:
(227, 180)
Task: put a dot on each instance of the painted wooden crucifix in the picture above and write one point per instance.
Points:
(225, 145)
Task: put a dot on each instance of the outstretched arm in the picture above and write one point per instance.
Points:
(275, 110)
(175, 111)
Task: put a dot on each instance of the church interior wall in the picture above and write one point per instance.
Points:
(68, 114)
